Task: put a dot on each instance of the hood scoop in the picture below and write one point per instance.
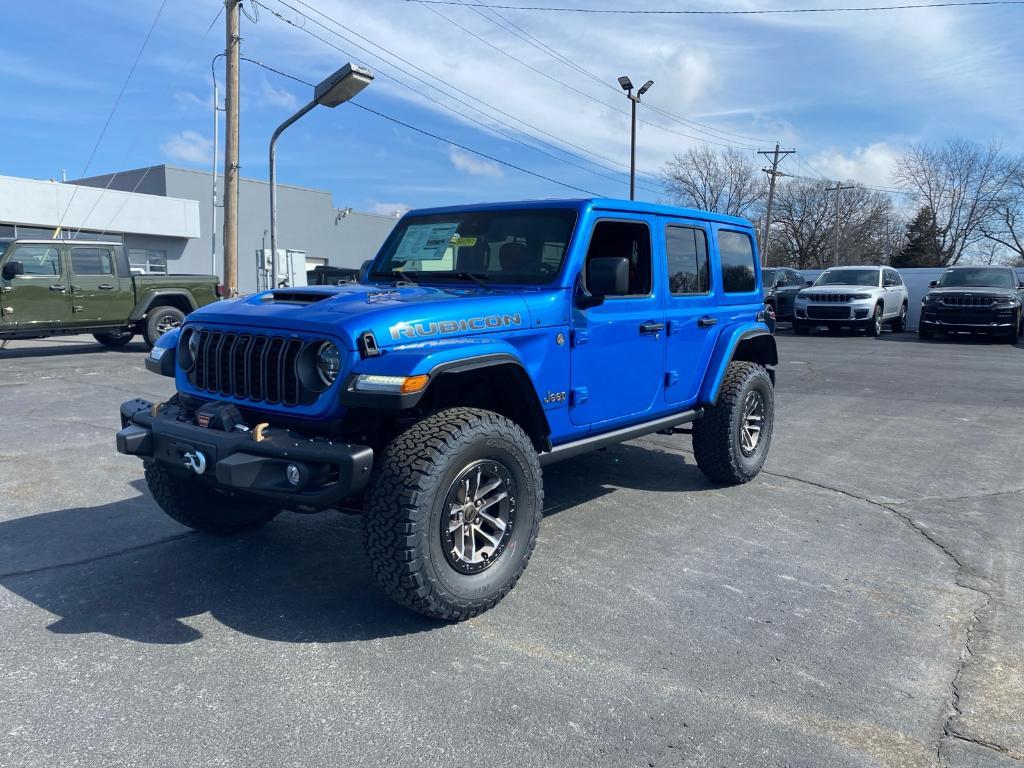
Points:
(295, 297)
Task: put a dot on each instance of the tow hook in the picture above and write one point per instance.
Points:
(196, 461)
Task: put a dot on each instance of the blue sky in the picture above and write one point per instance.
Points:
(849, 91)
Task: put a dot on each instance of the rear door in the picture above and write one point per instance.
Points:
(689, 308)
(99, 294)
(40, 297)
(618, 348)
(736, 274)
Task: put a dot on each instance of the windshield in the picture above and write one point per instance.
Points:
(520, 247)
(978, 278)
(867, 277)
(768, 277)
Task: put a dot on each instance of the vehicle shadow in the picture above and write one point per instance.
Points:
(965, 339)
(64, 347)
(124, 569)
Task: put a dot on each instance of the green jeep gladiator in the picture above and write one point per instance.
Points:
(51, 287)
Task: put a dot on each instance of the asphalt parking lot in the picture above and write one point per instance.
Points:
(861, 603)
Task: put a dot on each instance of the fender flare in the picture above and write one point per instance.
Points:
(143, 306)
(757, 336)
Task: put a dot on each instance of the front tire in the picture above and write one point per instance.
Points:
(801, 328)
(206, 509)
(114, 339)
(159, 321)
(452, 513)
(731, 440)
(874, 326)
(925, 334)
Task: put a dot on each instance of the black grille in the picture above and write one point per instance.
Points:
(968, 300)
(249, 367)
(829, 313)
(827, 297)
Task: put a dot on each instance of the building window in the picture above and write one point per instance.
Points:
(151, 262)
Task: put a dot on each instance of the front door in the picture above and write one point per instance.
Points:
(618, 352)
(98, 294)
(690, 310)
(39, 297)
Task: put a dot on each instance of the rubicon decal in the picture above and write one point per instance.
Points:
(442, 327)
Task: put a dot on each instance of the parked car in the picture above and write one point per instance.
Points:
(51, 287)
(975, 299)
(781, 285)
(853, 297)
(487, 341)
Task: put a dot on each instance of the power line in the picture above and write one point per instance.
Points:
(110, 116)
(446, 140)
(696, 12)
(447, 95)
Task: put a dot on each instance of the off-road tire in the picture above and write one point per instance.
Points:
(156, 318)
(899, 325)
(404, 508)
(925, 334)
(801, 328)
(206, 509)
(874, 326)
(716, 435)
(114, 339)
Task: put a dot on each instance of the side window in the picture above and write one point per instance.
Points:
(795, 278)
(687, 252)
(737, 254)
(38, 260)
(92, 261)
(628, 239)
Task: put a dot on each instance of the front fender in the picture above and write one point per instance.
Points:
(725, 351)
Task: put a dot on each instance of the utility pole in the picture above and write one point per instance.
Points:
(231, 8)
(838, 189)
(775, 158)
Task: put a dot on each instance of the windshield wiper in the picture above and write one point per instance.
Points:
(480, 280)
(394, 274)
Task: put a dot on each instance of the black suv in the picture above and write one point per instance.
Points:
(976, 299)
(781, 286)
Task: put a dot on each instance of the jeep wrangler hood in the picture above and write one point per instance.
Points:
(395, 315)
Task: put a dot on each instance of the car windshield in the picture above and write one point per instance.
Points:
(867, 277)
(517, 247)
(768, 276)
(978, 278)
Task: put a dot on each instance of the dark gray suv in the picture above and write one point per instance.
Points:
(781, 285)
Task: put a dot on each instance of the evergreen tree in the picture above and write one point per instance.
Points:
(922, 247)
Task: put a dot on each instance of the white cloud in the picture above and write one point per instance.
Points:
(188, 101)
(473, 165)
(188, 147)
(872, 165)
(390, 209)
(277, 97)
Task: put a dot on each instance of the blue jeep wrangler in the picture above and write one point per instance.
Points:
(482, 343)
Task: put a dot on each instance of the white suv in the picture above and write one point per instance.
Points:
(855, 297)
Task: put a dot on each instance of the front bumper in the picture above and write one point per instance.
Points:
(835, 314)
(978, 321)
(324, 472)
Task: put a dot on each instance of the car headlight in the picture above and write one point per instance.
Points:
(860, 296)
(1006, 301)
(188, 348)
(328, 362)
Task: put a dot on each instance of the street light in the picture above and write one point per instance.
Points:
(332, 91)
(627, 86)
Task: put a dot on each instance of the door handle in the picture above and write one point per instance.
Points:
(650, 328)
(707, 321)
(105, 287)
(60, 288)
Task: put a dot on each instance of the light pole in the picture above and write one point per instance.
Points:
(627, 86)
(332, 91)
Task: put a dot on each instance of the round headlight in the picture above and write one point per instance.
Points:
(188, 348)
(328, 363)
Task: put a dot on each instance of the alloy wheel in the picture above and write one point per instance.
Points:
(751, 422)
(479, 513)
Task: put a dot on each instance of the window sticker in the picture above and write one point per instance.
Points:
(459, 242)
(425, 242)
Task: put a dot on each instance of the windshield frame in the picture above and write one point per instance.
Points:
(1014, 281)
(383, 268)
(833, 271)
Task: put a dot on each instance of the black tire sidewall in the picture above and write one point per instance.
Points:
(153, 318)
(492, 581)
(751, 465)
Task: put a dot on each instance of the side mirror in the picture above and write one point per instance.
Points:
(364, 271)
(933, 284)
(608, 276)
(12, 269)
(808, 284)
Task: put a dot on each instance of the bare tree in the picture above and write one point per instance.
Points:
(962, 182)
(1005, 226)
(724, 182)
(804, 233)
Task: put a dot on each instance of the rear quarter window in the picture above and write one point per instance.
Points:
(736, 254)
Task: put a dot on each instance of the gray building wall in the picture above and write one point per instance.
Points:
(306, 219)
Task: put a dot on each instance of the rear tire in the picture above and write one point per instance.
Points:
(427, 499)
(724, 442)
(899, 325)
(114, 339)
(159, 321)
(206, 509)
